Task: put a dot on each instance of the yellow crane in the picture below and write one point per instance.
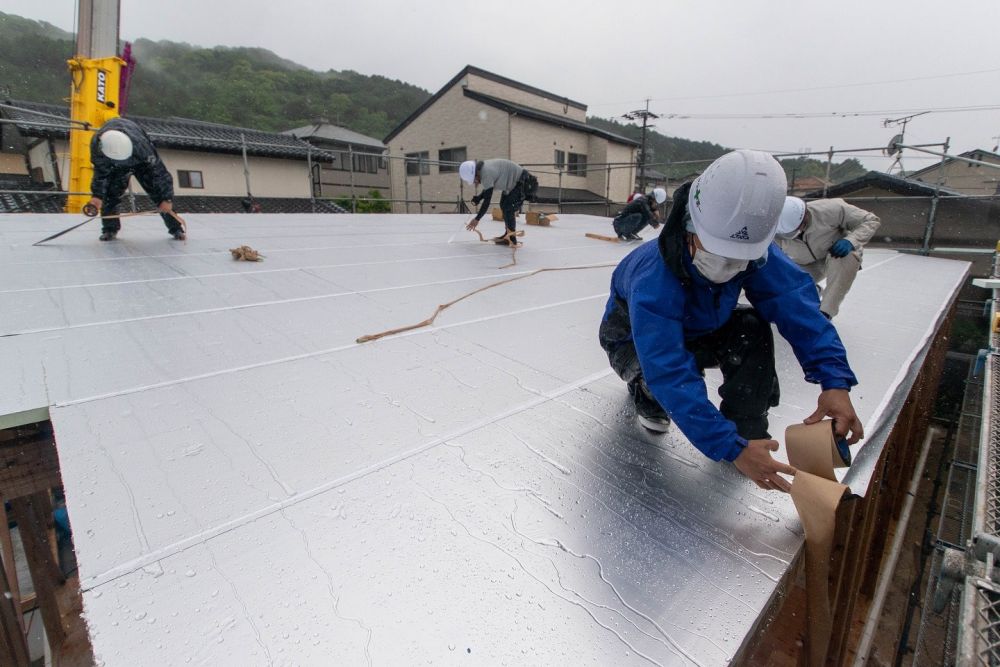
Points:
(95, 73)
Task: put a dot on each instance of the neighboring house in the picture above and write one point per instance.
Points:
(905, 207)
(205, 159)
(800, 185)
(971, 179)
(358, 162)
(654, 179)
(480, 115)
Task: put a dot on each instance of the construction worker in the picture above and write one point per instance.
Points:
(119, 150)
(641, 210)
(825, 237)
(673, 313)
(515, 184)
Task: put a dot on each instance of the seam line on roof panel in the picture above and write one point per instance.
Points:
(233, 524)
(274, 302)
(251, 272)
(318, 353)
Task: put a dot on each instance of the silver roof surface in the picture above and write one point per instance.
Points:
(249, 486)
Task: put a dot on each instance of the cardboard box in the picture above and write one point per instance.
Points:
(497, 214)
(539, 218)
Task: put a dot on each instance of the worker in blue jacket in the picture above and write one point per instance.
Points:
(673, 312)
(120, 150)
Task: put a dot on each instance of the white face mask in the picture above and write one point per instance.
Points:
(717, 269)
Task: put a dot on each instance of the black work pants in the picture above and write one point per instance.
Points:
(113, 197)
(511, 202)
(742, 348)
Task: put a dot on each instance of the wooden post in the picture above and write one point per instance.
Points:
(13, 646)
(7, 553)
(45, 572)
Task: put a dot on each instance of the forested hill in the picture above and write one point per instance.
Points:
(249, 87)
(253, 87)
(664, 152)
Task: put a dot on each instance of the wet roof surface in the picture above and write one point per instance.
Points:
(247, 485)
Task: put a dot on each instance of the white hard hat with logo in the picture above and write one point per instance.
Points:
(467, 171)
(660, 195)
(116, 145)
(791, 216)
(735, 204)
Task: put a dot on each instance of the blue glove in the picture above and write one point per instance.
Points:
(841, 248)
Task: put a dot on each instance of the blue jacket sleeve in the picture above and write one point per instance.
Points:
(786, 295)
(670, 370)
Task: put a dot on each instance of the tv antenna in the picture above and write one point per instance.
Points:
(895, 146)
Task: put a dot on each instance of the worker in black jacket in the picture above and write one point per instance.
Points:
(119, 150)
(641, 211)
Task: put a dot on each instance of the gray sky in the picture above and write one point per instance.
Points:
(708, 57)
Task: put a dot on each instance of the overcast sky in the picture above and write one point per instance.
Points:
(890, 57)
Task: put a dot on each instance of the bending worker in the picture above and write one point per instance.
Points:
(515, 184)
(673, 312)
(119, 150)
(825, 237)
(639, 212)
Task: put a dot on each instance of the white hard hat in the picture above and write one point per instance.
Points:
(791, 216)
(116, 145)
(660, 194)
(467, 171)
(736, 202)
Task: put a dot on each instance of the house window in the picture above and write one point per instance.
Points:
(449, 159)
(414, 166)
(577, 164)
(190, 179)
(559, 162)
(366, 163)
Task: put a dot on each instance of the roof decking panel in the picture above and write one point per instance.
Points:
(246, 483)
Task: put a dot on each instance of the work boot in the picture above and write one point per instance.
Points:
(178, 234)
(108, 235)
(648, 411)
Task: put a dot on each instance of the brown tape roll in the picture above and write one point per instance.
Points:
(812, 451)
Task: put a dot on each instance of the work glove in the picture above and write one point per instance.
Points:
(842, 248)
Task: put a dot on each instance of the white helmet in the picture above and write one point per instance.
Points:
(736, 202)
(116, 145)
(660, 195)
(791, 217)
(467, 171)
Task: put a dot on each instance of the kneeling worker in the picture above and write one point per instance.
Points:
(515, 183)
(673, 312)
(638, 213)
(825, 237)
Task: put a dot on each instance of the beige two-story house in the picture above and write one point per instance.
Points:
(965, 177)
(479, 115)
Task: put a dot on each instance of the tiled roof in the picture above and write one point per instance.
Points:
(335, 133)
(902, 186)
(35, 120)
(28, 203)
(470, 69)
(545, 117)
(549, 195)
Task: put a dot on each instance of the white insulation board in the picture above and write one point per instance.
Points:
(249, 486)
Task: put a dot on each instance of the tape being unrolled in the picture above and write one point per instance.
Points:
(812, 451)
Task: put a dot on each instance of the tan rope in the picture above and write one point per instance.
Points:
(430, 320)
(506, 237)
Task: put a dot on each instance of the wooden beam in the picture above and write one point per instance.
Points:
(7, 553)
(13, 645)
(28, 465)
(45, 572)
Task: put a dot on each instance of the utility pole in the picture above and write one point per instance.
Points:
(645, 115)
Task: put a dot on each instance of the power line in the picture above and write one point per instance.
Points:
(811, 89)
(825, 114)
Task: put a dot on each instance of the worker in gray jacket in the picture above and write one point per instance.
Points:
(826, 237)
(515, 184)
